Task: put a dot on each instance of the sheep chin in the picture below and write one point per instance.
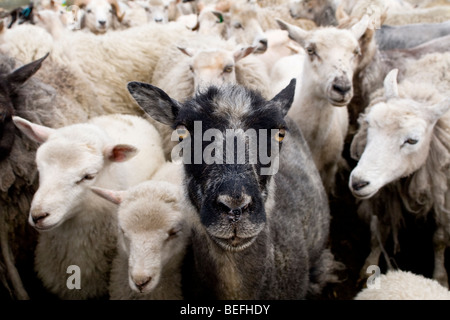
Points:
(227, 244)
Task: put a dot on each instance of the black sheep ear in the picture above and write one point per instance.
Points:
(285, 97)
(18, 77)
(155, 102)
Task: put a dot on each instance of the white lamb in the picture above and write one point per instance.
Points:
(76, 227)
(153, 235)
(404, 285)
(319, 106)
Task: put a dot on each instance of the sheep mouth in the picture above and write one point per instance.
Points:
(363, 195)
(339, 103)
(234, 243)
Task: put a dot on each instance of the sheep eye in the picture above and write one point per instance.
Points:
(237, 25)
(172, 233)
(357, 52)
(228, 69)
(411, 141)
(191, 68)
(279, 136)
(182, 132)
(89, 11)
(86, 177)
(311, 51)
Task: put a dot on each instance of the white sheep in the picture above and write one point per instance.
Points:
(99, 15)
(403, 285)
(76, 227)
(402, 148)
(319, 106)
(152, 239)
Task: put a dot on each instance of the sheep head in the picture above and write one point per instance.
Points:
(69, 160)
(214, 66)
(10, 82)
(394, 141)
(332, 58)
(152, 229)
(99, 14)
(229, 188)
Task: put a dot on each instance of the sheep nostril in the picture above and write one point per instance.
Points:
(141, 283)
(341, 89)
(358, 185)
(40, 217)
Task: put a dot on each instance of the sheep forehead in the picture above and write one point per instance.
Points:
(215, 59)
(395, 116)
(98, 5)
(333, 38)
(68, 149)
(145, 215)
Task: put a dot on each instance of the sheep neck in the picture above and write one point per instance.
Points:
(313, 113)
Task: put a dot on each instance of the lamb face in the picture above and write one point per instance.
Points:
(152, 227)
(332, 59)
(99, 15)
(214, 66)
(245, 27)
(398, 141)
(230, 192)
(69, 161)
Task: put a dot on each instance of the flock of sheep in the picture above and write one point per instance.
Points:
(97, 97)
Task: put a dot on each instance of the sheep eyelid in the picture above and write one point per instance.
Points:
(228, 69)
(86, 177)
(411, 141)
(172, 233)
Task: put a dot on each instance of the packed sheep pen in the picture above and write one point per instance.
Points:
(224, 149)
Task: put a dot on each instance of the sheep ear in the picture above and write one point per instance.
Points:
(295, 33)
(155, 102)
(33, 131)
(187, 51)
(113, 196)
(120, 152)
(390, 85)
(285, 97)
(243, 52)
(18, 77)
(439, 109)
(219, 16)
(358, 143)
(360, 28)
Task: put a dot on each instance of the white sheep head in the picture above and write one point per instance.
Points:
(69, 160)
(398, 133)
(99, 15)
(332, 58)
(157, 10)
(152, 230)
(244, 27)
(214, 66)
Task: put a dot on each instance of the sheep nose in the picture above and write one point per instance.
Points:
(37, 219)
(342, 89)
(141, 282)
(102, 22)
(233, 207)
(158, 20)
(359, 184)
